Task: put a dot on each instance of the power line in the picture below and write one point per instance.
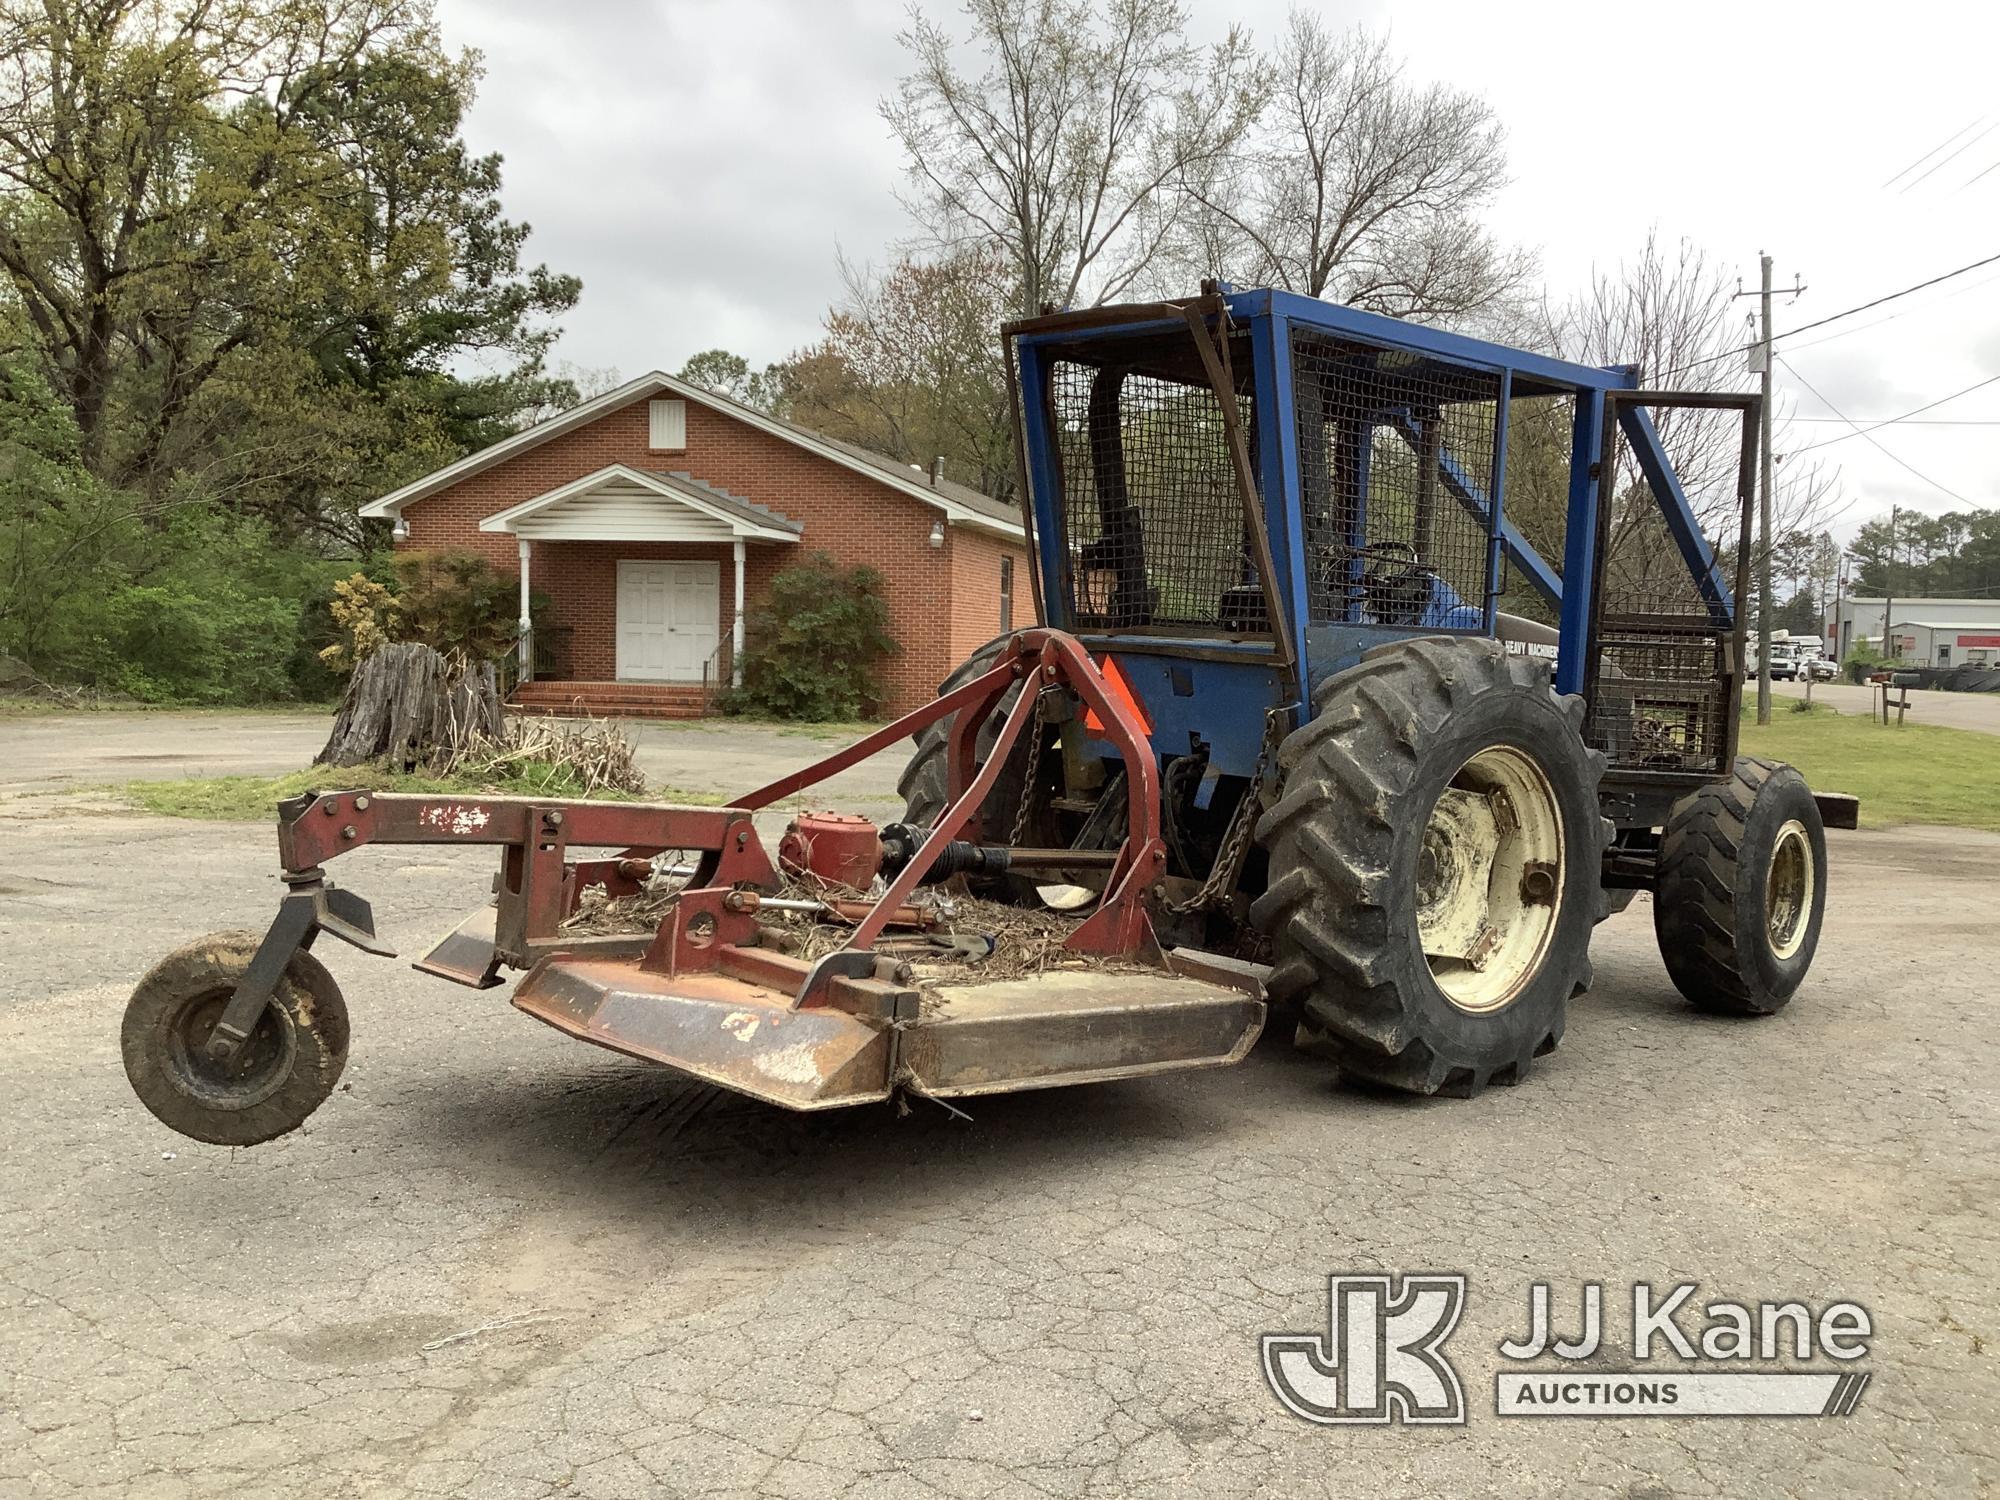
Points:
(1974, 178)
(1892, 296)
(1955, 155)
(1906, 422)
(1861, 432)
(1836, 317)
(1933, 151)
(1890, 422)
(1890, 317)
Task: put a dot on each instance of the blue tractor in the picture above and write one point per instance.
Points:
(1284, 530)
(1272, 748)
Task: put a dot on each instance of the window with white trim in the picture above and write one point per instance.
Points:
(666, 424)
(1006, 594)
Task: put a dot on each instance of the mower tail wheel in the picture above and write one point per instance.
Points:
(284, 1070)
(1742, 889)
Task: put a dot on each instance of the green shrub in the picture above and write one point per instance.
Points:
(815, 645)
(313, 680)
(1861, 659)
(161, 643)
(183, 604)
(456, 601)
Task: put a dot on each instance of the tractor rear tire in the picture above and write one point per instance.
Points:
(926, 780)
(1441, 796)
(285, 1070)
(1742, 889)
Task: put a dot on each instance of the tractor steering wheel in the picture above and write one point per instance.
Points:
(1395, 582)
(1390, 562)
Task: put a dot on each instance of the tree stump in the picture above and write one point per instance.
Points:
(407, 707)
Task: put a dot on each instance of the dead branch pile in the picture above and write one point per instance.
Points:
(410, 708)
(594, 751)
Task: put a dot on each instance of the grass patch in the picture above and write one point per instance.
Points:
(1920, 773)
(832, 730)
(247, 799)
(843, 731)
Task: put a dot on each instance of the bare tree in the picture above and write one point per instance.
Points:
(1671, 313)
(1063, 151)
(910, 367)
(1359, 186)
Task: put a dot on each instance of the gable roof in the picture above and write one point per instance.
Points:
(743, 518)
(959, 503)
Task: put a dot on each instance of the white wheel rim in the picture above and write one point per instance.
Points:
(1489, 884)
(1788, 890)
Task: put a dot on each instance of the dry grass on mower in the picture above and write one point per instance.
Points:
(1027, 940)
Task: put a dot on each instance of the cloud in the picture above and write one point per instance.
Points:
(698, 165)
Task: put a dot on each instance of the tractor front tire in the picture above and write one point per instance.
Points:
(285, 1069)
(1435, 867)
(1742, 889)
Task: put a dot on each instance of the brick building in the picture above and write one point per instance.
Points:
(654, 517)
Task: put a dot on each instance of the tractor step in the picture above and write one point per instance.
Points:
(1059, 1027)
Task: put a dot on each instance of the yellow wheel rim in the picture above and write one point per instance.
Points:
(1788, 890)
(1490, 879)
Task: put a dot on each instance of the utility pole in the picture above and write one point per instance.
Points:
(1762, 360)
(1889, 589)
(1764, 524)
(1839, 597)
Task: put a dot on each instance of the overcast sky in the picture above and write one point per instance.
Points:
(699, 163)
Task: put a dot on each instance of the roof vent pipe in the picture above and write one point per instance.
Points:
(937, 471)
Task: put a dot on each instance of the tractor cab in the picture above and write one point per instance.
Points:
(1234, 497)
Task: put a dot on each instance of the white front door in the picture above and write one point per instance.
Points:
(669, 619)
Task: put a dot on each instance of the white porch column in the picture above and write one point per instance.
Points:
(527, 624)
(736, 624)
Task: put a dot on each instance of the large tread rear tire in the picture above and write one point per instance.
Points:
(1345, 840)
(1712, 908)
(925, 781)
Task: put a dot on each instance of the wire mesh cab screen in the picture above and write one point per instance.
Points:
(1396, 460)
(1663, 679)
(1151, 516)
(1662, 697)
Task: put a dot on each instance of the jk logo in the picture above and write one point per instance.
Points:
(1380, 1359)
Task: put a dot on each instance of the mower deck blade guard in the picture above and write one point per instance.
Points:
(1077, 1026)
(1059, 1027)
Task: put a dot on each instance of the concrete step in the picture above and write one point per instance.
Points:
(624, 700)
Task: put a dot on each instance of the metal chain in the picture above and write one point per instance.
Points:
(1016, 839)
(1236, 840)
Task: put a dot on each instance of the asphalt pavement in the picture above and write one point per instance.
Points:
(503, 1263)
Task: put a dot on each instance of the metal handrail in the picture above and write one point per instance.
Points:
(713, 680)
(548, 654)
